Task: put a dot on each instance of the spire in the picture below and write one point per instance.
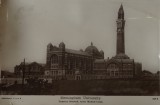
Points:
(120, 31)
(121, 12)
(121, 9)
(121, 6)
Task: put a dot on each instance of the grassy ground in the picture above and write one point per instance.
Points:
(109, 87)
(89, 87)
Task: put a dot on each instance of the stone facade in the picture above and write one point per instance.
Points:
(65, 63)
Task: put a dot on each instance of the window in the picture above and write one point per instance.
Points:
(116, 73)
(112, 67)
(54, 59)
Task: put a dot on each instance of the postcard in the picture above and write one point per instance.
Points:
(79, 52)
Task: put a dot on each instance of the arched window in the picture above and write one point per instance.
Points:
(54, 59)
(113, 69)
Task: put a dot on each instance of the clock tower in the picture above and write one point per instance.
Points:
(120, 31)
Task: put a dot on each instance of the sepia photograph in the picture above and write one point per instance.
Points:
(79, 50)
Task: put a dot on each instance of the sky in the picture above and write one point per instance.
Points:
(35, 23)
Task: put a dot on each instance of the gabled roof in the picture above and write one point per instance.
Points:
(30, 63)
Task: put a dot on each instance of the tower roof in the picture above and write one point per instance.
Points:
(121, 9)
(62, 44)
(121, 12)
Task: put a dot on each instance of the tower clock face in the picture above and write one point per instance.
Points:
(119, 23)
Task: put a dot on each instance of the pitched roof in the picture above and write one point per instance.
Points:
(77, 52)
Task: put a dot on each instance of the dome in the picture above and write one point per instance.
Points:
(92, 49)
(102, 52)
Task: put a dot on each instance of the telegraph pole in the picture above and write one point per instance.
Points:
(23, 75)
